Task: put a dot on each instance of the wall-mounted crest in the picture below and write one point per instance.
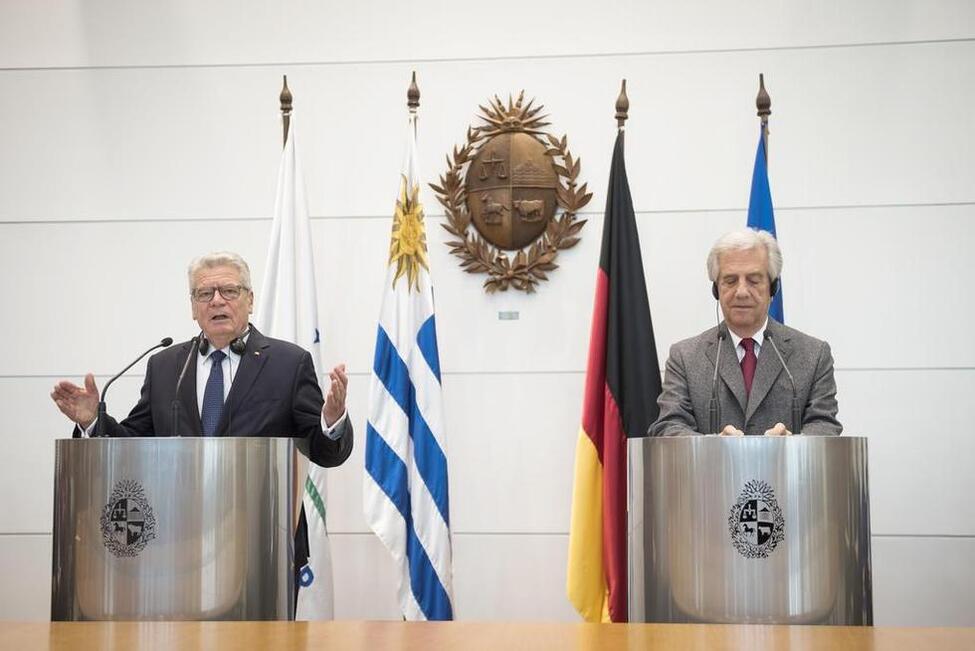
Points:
(510, 180)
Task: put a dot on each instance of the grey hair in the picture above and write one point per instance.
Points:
(748, 238)
(220, 259)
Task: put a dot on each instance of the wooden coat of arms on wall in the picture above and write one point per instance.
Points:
(510, 181)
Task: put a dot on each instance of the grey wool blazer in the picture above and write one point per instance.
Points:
(689, 373)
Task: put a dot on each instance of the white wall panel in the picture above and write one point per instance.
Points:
(511, 577)
(920, 446)
(73, 33)
(923, 581)
(202, 142)
(25, 565)
(90, 297)
(365, 579)
(512, 448)
(887, 287)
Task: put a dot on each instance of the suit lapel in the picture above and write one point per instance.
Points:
(189, 410)
(729, 370)
(251, 362)
(768, 367)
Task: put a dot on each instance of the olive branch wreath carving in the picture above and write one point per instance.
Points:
(529, 265)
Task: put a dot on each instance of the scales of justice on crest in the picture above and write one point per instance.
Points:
(511, 194)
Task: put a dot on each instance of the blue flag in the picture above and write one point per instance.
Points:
(761, 215)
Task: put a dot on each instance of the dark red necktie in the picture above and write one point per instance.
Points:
(748, 363)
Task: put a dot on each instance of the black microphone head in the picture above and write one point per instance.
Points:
(166, 341)
(767, 334)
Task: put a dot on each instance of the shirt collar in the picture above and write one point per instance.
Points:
(759, 336)
(234, 357)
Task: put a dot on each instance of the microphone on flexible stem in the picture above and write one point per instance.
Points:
(796, 410)
(101, 418)
(195, 344)
(714, 408)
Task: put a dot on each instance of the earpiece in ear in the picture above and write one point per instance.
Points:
(714, 290)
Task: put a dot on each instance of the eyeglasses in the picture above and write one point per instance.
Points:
(228, 292)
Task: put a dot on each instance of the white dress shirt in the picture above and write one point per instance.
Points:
(759, 338)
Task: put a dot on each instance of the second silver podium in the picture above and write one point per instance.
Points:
(749, 530)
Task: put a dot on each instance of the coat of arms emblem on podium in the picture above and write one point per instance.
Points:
(755, 522)
(127, 521)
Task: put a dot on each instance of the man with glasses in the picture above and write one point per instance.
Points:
(238, 382)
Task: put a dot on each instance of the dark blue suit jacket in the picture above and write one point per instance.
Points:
(275, 393)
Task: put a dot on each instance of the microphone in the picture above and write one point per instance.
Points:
(195, 343)
(796, 410)
(714, 408)
(101, 418)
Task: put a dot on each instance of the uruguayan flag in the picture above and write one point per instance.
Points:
(405, 484)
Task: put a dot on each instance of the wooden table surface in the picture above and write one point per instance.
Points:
(133, 636)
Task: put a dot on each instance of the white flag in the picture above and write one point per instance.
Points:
(405, 484)
(288, 310)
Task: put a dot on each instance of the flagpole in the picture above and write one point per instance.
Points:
(285, 98)
(622, 107)
(764, 105)
(297, 488)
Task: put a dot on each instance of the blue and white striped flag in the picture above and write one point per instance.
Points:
(405, 484)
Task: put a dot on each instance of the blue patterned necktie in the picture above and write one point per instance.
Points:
(213, 395)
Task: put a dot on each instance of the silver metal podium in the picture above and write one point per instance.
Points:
(749, 530)
(173, 529)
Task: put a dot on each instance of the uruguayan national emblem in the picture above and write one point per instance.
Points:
(755, 522)
(127, 520)
(510, 181)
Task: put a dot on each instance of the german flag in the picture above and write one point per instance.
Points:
(622, 385)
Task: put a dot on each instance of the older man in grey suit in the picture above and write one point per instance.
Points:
(752, 392)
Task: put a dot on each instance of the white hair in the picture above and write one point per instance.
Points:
(220, 259)
(748, 238)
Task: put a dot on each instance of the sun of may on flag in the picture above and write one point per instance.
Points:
(288, 310)
(620, 401)
(405, 484)
(760, 213)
